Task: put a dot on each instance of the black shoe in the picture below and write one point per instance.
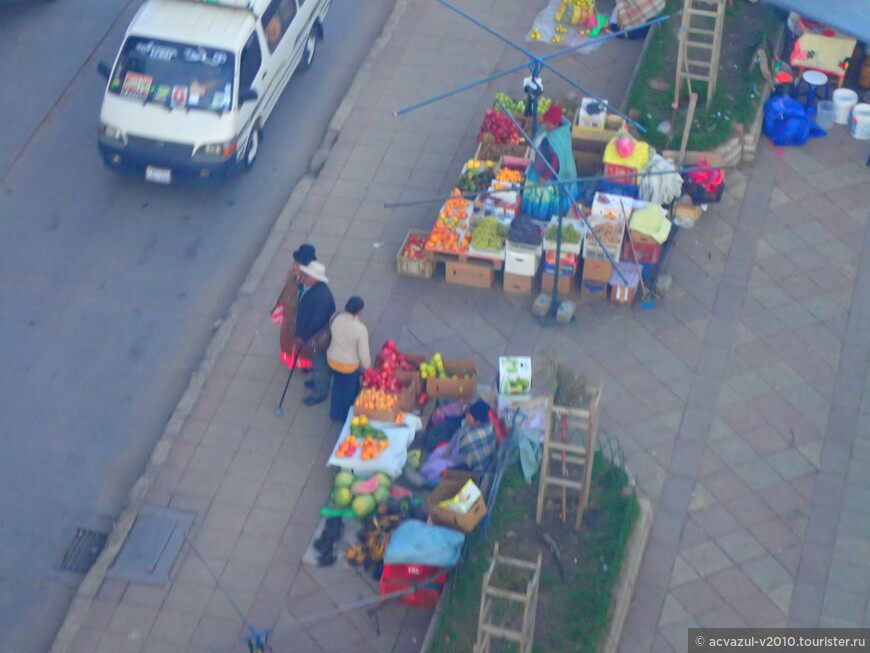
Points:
(327, 558)
(309, 383)
(306, 370)
(313, 401)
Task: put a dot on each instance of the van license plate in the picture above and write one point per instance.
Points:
(158, 175)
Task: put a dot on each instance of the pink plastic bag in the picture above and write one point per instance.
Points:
(453, 409)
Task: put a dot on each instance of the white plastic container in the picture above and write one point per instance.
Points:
(825, 114)
(844, 99)
(861, 122)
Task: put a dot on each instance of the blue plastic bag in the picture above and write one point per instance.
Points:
(417, 543)
(786, 122)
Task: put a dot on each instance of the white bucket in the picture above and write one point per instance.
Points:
(861, 122)
(844, 99)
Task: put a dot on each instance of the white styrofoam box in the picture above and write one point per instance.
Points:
(523, 262)
(616, 205)
(504, 403)
(567, 248)
(513, 371)
(593, 120)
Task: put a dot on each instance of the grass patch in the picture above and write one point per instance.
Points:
(572, 611)
(738, 88)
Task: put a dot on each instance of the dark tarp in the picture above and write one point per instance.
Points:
(848, 16)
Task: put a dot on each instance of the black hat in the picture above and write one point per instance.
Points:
(480, 410)
(305, 254)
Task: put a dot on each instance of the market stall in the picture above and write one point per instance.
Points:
(633, 202)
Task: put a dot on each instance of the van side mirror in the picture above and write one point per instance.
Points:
(104, 69)
(247, 95)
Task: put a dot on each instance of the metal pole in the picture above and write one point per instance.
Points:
(570, 197)
(540, 61)
(465, 87)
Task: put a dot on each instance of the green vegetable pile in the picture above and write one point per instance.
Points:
(519, 106)
(489, 233)
(475, 181)
(570, 234)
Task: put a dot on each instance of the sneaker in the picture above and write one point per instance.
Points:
(313, 401)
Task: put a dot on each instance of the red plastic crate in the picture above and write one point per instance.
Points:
(646, 252)
(615, 169)
(399, 577)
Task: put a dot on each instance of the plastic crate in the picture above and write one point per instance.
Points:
(399, 577)
(701, 195)
(612, 169)
(421, 268)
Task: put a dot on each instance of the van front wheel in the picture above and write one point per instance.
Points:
(310, 49)
(253, 148)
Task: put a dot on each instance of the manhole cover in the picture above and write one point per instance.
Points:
(82, 551)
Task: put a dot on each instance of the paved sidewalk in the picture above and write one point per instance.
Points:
(740, 401)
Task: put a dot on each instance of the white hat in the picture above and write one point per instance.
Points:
(315, 270)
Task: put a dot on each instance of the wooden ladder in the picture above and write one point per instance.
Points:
(568, 454)
(486, 629)
(700, 45)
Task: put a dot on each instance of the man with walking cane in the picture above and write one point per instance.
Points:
(314, 312)
(284, 315)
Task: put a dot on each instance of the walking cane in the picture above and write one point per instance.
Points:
(278, 410)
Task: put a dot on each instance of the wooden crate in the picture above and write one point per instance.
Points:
(412, 267)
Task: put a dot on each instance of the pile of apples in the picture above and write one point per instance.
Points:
(415, 247)
(382, 375)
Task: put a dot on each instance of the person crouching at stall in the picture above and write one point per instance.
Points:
(543, 202)
(471, 448)
(284, 313)
(348, 355)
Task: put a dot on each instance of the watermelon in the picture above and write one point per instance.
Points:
(381, 495)
(363, 506)
(342, 497)
(365, 487)
(344, 479)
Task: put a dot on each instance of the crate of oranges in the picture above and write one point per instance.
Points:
(379, 406)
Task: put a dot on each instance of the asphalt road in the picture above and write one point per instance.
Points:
(110, 287)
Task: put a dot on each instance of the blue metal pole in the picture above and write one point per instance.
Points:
(541, 157)
(465, 87)
(539, 61)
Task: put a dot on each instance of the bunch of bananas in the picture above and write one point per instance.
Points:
(373, 538)
(535, 34)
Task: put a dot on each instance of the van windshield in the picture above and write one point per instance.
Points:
(175, 75)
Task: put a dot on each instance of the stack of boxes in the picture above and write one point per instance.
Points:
(608, 218)
(520, 267)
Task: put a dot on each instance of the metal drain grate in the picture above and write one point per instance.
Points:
(82, 551)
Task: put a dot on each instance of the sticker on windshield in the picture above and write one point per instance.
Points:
(161, 94)
(137, 85)
(179, 96)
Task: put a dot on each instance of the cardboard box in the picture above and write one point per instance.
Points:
(597, 269)
(412, 267)
(519, 284)
(450, 484)
(469, 274)
(586, 119)
(595, 288)
(511, 371)
(638, 237)
(566, 284)
(622, 294)
(521, 261)
(462, 388)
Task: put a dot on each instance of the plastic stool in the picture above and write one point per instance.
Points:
(810, 83)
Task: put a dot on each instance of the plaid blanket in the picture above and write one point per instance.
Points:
(631, 13)
(475, 446)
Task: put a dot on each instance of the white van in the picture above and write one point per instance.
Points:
(195, 81)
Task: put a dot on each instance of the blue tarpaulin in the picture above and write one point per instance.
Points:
(851, 17)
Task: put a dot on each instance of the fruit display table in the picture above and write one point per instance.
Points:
(391, 460)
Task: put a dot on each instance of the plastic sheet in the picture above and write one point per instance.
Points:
(786, 122)
(417, 543)
(545, 23)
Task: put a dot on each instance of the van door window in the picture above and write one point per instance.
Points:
(276, 20)
(249, 65)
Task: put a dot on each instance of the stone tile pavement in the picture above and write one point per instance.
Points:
(741, 401)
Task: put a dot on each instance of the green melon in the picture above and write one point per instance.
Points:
(381, 495)
(344, 479)
(342, 497)
(383, 480)
(363, 506)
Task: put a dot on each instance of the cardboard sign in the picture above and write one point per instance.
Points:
(136, 85)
